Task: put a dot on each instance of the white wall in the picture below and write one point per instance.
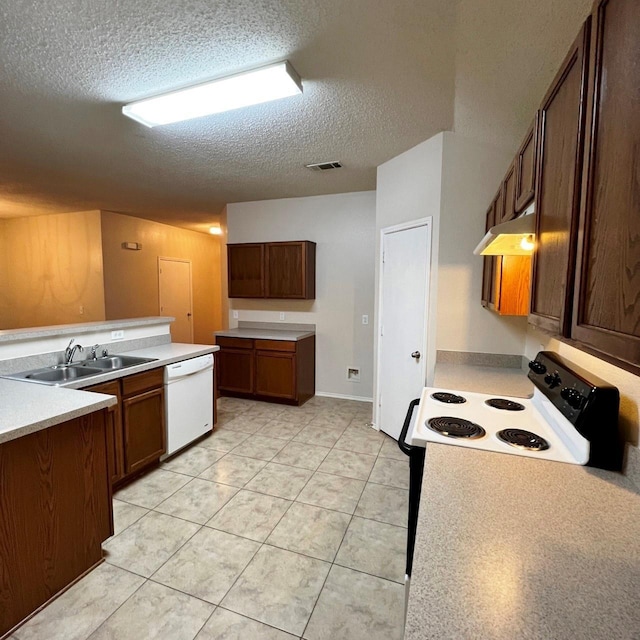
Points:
(409, 188)
(471, 173)
(343, 226)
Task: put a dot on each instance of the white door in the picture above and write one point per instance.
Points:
(404, 295)
(174, 278)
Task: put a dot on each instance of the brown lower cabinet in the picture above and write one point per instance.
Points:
(136, 436)
(55, 501)
(275, 370)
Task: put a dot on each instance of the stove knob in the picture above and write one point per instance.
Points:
(552, 379)
(537, 367)
(572, 396)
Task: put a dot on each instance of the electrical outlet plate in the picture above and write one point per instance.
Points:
(353, 374)
(282, 315)
(235, 315)
(117, 335)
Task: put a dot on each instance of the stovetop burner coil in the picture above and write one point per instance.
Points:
(504, 404)
(456, 427)
(523, 439)
(448, 398)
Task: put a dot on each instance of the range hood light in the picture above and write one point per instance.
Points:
(224, 94)
(527, 243)
(513, 238)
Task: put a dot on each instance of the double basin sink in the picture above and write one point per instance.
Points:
(61, 373)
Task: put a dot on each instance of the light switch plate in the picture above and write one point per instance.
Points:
(365, 319)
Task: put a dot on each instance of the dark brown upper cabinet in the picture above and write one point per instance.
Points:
(488, 264)
(607, 309)
(558, 183)
(509, 195)
(245, 263)
(525, 179)
(290, 270)
(281, 270)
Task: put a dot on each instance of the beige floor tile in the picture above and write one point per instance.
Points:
(278, 588)
(354, 606)
(260, 447)
(155, 611)
(280, 480)
(322, 436)
(376, 548)
(197, 501)
(390, 450)
(251, 515)
(360, 441)
(226, 625)
(223, 439)
(332, 492)
(310, 530)
(331, 420)
(84, 607)
(208, 565)
(246, 423)
(125, 514)
(348, 464)
(265, 410)
(152, 488)
(394, 473)
(233, 470)
(281, 429)
(193, 461)
(385, 504)
(306, 456)
(149, 543)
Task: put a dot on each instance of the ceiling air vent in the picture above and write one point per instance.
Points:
(324, 166)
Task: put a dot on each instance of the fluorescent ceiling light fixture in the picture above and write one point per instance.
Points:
(513, 238)
(268, 83)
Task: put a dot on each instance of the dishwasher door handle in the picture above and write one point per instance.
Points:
(404, 447)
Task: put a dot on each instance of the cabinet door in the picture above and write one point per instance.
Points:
(487, 269)
(290, 270)
(558, 191)
(245, 263)
(144, 429)
(607, 309)
(276, 374)
(115, 443)
(526, 168)
(509, 195)
(235, 370)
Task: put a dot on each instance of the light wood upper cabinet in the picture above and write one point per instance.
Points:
(607, 310)
(278, 270)
(525, 164)
(561, 130)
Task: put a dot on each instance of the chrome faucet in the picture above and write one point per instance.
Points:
(70, 351)
(93, 355)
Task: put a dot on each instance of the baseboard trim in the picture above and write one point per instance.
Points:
(341, 396)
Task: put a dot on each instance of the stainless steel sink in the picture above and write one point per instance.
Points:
(114, 362)
(58, 375)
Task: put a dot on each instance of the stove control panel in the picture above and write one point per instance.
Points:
(589, 403)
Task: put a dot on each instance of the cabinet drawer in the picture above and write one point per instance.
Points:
(235, 343)
(276, 345)
(141, 382)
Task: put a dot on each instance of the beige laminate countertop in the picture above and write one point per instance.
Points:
(27, 407)
(265, 334)
(511, 548)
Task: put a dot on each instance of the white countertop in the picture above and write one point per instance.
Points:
(265, 334)
(26, 407)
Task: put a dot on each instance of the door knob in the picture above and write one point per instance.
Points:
(416, 355)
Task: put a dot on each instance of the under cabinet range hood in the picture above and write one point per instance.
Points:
(513, 238)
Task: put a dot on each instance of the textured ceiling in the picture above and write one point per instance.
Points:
(379, 77)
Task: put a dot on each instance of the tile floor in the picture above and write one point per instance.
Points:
(285, 523)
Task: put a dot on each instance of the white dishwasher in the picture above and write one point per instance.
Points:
(188, 397)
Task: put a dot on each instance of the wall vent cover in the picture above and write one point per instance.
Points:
(324, 166)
